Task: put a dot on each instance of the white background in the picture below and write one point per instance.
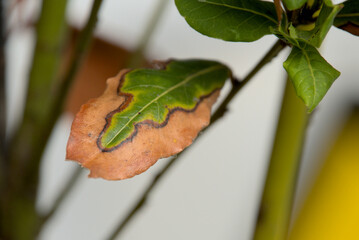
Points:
(213, 191)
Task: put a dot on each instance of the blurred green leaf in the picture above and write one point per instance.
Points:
(294, 4)
(230, 20)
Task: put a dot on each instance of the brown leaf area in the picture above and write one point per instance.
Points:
(350, 27)
(149, 145)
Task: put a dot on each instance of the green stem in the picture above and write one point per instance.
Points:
(44, 105)
(137, 57)
(78, 55)
(18, 214)
(221, 110)
(136, 60)
(30, 139)
(276, 206)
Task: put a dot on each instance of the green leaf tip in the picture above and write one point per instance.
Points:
(229, 20)
(310, 74)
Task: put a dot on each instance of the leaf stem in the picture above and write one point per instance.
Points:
(237, 86)
(276, 205)
(276, 48)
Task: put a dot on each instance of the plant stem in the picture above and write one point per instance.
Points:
(62, 195)
(276, 48)
(81, 48)
(137, 57)
(50, 31)
(276, 206)
(18, 214)
(237, 86)
(143, 199)
(78, 55)
(44, 106)
(135, 60)
(278, 9)
(2, 98)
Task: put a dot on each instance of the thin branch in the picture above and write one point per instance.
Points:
(26, 146)
(2, 86)
(33, 132)
(278, 9)
(75, 62)
(71, 182)
(81, 48)
(136, 58)
(141, 202)
(3, 115)
(277, 47)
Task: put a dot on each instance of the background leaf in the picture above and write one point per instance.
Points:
(230, 20)
(144, 115)
(311, 75)
(294, 4)
(348, 17)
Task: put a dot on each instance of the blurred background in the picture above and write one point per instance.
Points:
(214, 190)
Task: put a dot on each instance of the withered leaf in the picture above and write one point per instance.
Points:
(144, 115)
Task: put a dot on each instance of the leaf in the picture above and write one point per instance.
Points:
(348, 17)
(230, 20)
(322, 25)
(144, 115)
(311, 75)
(294, 4)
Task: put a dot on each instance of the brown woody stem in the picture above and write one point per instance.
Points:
(137, 57)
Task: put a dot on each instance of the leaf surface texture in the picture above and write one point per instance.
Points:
(230, 20)
(310, 73)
